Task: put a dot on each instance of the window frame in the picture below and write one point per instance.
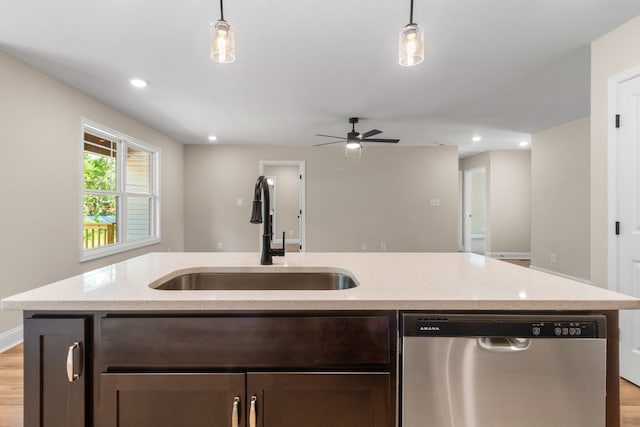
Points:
(123, 142)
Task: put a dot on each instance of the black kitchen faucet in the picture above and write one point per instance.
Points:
(262, 186)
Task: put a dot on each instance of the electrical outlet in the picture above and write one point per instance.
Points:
(219, 246)
(239, 202)
(553, 258)
(383, 246)
(364, 246)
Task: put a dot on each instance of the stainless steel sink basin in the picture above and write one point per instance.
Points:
(257, 281)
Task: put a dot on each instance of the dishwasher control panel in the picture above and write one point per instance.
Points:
(503, 326)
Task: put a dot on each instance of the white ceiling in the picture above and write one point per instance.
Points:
(497, 68)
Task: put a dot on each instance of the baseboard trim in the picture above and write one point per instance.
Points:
(556, 273)
(11, 338)
(509, 255)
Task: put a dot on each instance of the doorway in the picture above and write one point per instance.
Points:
(286, 179)
(475, 210)
(624, 212)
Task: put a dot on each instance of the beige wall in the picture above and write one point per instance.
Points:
(611, 54)
(560, 199)
(508, 190)
(510, 201)
(40, 180)
(384, 197)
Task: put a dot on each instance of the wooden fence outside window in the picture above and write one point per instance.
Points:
(98, 234)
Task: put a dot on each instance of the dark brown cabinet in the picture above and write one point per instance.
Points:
(271, 399)
(171, 400)
(170, 369)
(320, 399)
(55, 375)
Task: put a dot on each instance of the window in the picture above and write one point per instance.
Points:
(120, 203)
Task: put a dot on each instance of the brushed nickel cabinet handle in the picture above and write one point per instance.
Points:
(71, 374)
(234, 412)
(252, 412)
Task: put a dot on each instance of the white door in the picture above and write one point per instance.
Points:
(628, 209)
(475, 198)
(287, 188)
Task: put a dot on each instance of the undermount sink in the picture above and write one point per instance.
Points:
(257, 281)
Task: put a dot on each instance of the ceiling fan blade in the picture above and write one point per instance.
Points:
(393, 141)
(329, 143)
(331, 136)
(370, 133)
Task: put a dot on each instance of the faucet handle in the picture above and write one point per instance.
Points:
(275, 252)
(283, 243)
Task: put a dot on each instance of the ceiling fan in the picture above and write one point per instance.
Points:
(355, 139)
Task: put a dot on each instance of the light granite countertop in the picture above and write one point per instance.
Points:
(386, 281)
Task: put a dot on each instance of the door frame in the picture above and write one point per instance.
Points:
(461, 205)
(612, 165)
(302, 195)
(467, 207)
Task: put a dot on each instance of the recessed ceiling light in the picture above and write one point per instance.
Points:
(212, 138)
(476, 138)
(138, 83)
(524, 144)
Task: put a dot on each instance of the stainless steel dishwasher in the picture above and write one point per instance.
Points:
(503, 371)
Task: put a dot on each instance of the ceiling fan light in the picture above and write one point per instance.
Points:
(353, 145)
(222, 47)
(411, 45)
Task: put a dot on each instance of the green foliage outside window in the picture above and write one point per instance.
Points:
(99, 174)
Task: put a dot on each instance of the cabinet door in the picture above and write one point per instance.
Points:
(319, 399)
(54, 377)
(172, 400)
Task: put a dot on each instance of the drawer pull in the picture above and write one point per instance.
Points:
(71, 374)
(252, 412)
(234, 412)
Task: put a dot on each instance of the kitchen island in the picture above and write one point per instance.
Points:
(131, 350)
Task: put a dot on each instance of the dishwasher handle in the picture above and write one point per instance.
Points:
(504, 344)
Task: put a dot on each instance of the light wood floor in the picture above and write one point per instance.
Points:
(629, 404)
(11, 387)
(11, 393)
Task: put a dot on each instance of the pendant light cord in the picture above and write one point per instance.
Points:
(222, 10)
(410, 14)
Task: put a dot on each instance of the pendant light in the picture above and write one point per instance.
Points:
(223, 47)
(411, 43)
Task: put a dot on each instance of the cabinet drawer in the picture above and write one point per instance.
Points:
(164, 342)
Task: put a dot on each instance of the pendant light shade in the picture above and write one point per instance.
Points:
(411, 43)
(222, 47)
